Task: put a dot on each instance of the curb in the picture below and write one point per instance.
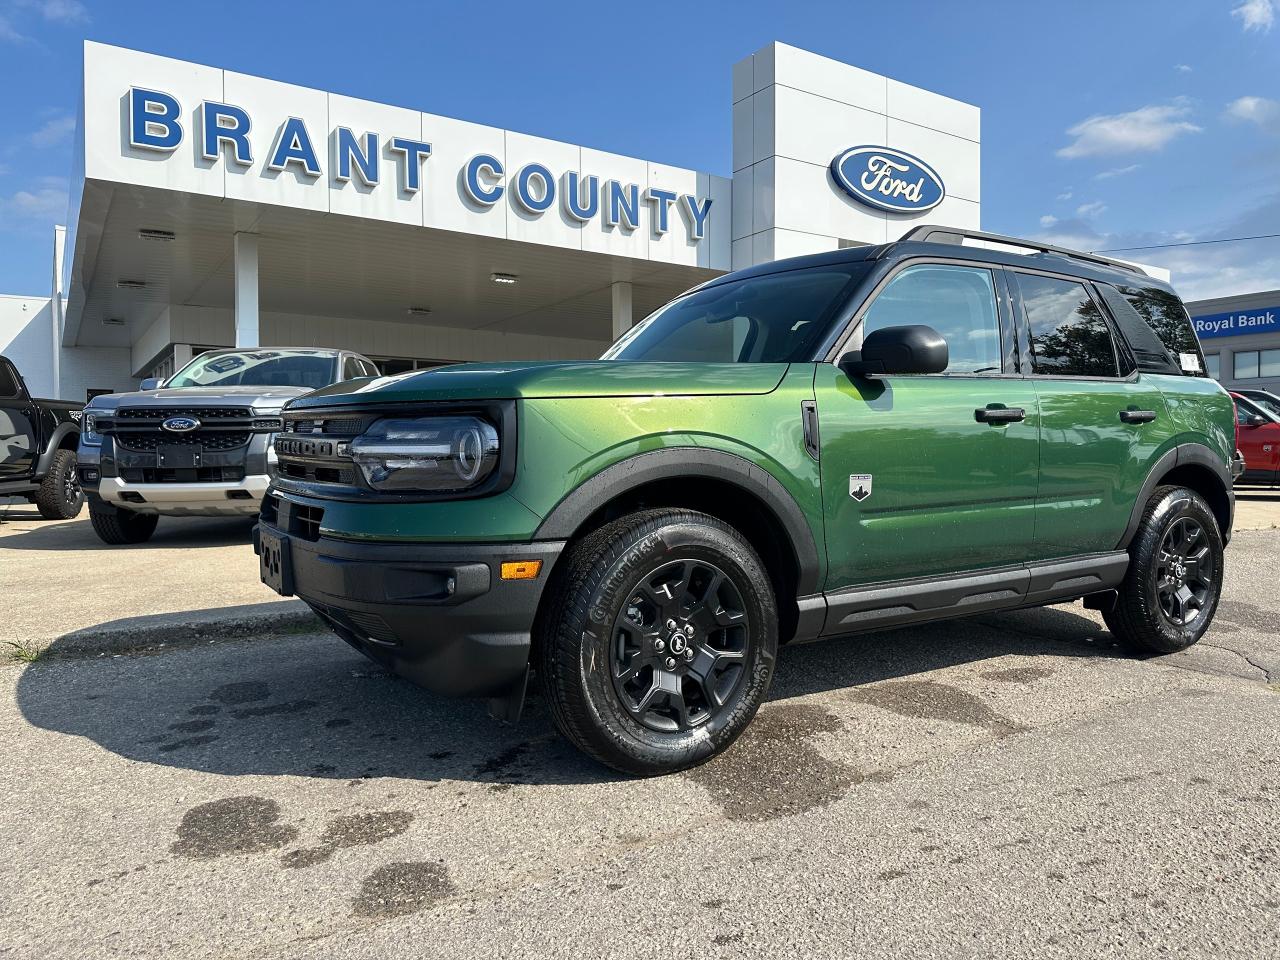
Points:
(176, 630)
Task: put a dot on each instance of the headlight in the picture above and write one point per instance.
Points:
(427, 454)
(89, 429)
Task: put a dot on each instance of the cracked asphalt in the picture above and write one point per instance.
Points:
(1004, 786)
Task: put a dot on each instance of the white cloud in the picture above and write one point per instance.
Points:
(1145, 129)
(58, 11)
(45, 200)
(1065, 195)
(1048, 220)
(1265, 113)
(1096, 208)
(1117, 171)
(1255, 15)
(8, 34)
(1183, 68)
(55, 131)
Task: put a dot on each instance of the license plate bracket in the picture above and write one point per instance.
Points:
(274, 562)
(178, 457)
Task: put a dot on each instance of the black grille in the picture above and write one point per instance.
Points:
(304, 521)
(347, 426)
(200, 413)
(182, 474)
(207, 439)
(324, 472)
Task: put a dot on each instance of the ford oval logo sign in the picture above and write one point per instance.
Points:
(180, 424)
(888, 179)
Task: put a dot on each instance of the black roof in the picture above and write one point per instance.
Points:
(948, 242)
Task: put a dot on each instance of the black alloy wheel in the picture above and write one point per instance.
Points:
(680, 645)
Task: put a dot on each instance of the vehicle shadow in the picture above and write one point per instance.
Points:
(309, 706)
(173, 533)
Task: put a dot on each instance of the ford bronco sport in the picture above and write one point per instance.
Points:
(815, 447)
(198, 444)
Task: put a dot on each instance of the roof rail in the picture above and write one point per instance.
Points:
(930, 233)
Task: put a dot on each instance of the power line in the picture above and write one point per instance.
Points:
(1189, 243)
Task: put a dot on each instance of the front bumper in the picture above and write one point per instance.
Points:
(438, 614)
(239, 498)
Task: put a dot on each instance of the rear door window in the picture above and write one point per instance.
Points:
(1070, 337)
(8, 382)
(1164, 316)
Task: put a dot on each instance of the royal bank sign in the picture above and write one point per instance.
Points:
(380, 160)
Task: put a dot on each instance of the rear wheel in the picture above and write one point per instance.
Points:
(657, 643)
(60, 496)
(1171, 589)
(118, 527)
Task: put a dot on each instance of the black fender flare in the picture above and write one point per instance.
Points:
(573, 510)
(1184, 454)
(45, 463)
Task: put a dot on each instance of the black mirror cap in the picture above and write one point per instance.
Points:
(1257, 420)
(909, 349)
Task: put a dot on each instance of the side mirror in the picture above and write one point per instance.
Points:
(1257, 420)
(150, 383)
(909, 349)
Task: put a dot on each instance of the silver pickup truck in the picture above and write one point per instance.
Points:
(200, 443)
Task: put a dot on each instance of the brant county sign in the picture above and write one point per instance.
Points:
(888, 179)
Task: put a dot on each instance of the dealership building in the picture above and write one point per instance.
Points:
(211, 208)
(1241, 339)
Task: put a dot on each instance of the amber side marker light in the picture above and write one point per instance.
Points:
(521, 570)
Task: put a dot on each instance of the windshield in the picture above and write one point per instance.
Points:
(775, 318)
(258, 368)
(1269, 404)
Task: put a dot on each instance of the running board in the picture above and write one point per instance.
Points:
(875, 606)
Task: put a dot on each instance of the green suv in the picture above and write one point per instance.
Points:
(810, 448)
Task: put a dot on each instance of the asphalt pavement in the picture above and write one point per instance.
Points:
(1004, 786)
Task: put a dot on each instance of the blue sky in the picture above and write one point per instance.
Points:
(1104, 125)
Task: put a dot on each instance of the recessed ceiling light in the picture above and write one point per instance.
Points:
(113, 321)
(418, 311)
(156, 235)
(505, 278)
(131, 284)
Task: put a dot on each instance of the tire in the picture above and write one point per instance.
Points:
(118, 527)
(620, 682)
(1171, 589)
(60, 496)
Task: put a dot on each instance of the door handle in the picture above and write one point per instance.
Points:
(999, 414)
(1137, 416)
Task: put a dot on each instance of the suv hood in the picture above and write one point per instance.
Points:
(204, 397)
(528, 381)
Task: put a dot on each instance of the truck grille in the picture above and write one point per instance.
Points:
(341, 426)
(208, 439)
(204, 414)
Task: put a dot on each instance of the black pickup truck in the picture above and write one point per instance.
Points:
(38, 440)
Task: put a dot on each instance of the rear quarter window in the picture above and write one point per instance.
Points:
(1163, 315)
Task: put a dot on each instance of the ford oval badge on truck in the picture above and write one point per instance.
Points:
(888, 179)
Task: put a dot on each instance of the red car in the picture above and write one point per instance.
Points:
(1258, 437)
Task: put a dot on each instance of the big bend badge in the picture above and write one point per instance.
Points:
(859, 486)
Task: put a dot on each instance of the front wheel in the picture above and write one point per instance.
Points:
(60, 496)
(1171, 589)
(657, 643)
(119, 527)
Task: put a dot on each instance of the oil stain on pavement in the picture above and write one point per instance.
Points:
(357, 830)
(930, 700)
(396, 889)
(774, 770)
(233, 825)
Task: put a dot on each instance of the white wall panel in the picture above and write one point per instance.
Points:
(387, 200)
(270, 104)
(445, 203)
(958, 161)
(793, 67)
(931, 109)
(816, 129)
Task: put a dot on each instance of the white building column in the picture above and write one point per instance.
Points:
(621, 307)
(246, 280)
